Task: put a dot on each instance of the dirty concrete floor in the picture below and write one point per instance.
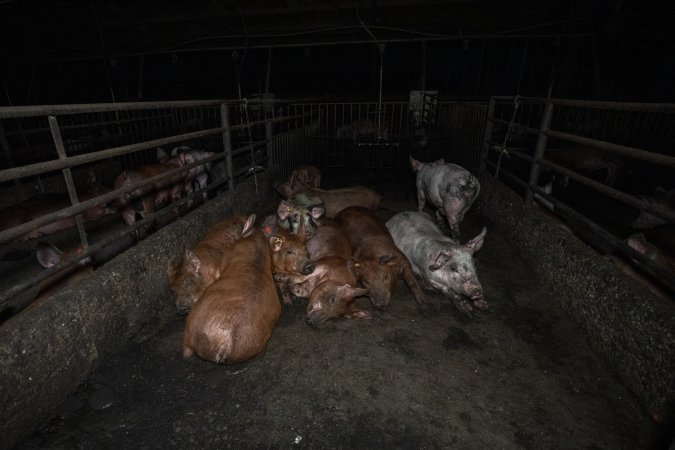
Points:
(521, 376)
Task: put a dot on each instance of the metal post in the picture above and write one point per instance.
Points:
(6, 150)
(60, 149)
(227, 143)
(487, 135)
(539, 149)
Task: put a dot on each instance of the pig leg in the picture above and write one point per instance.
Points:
(355, 313)
(414, 287)
(421, 199)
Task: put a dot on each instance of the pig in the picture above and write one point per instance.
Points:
(290, 257)
(42, 204)
(439, 261)
(309, 175)
(381, 262)
(365, 128)
(197, 176)
(590, 159)
(199, 267)
(334, 200)
(300, 211)
(666, 200)
(49, 256)
(448, 187)
(147, 199)
(234, 318)
(332, 287)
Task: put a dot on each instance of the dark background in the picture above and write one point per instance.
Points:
(93, 51)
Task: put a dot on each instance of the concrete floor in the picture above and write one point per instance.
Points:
(521, 376)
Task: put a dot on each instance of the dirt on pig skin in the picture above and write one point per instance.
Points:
(521, 376)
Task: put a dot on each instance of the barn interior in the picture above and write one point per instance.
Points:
(563, 110)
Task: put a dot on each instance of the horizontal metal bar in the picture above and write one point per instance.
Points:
(49, 166)
(68, 262)
(595, 104)
(663, 276)
(611, 192)
(7, 235)
(10, 112)
(508, 174)
(518, 126)
(632, 152)
(240, 150)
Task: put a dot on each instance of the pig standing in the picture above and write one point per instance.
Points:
(234, 318)
(331, 288)
(448, 187)
(189, 277)
(441, 262)
(42, 204)
(300, 211)
(381, 262)
(309, 175)
(334, 200)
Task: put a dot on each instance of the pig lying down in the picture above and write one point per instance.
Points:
(189, 277)
(234, 318)
(381, 262)
(441, 263)
(332, 288)
(334, 200)
(299, 211)
(448, 187)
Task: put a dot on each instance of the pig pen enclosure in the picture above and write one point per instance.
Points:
(573, 353)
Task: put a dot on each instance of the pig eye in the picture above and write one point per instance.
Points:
(332, 300)
(453, 267)
(289, 252)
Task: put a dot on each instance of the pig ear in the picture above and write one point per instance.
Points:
(161, 155)
(351, 292)
(283, 210)
(48, 255)
(248, 226)
(476, 243)
(415, 164)
(283, 189)
(638, 242)
(193, 261)
(171, 267)
(440, 260)
(268, 225)
(276, 242)
(317, 211)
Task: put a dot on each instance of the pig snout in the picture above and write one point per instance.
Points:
(314, 315)
(478, 299)
(307, 268)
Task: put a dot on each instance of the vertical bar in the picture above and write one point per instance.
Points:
(58, 142)
(227, 143)
(539, 149)
(6, 150)
(488, 134)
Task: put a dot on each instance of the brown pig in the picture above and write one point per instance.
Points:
(42, 204)
(234, 318)
(331, 288)
(189, 277)
(290, 257)
(335, 200)
(381, 262)
(309, 175)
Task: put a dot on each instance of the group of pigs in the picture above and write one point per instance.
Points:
(329, 247)
(142, 201)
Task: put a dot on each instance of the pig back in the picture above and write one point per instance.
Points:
(329, 240)
(235, 316)
(436, 181)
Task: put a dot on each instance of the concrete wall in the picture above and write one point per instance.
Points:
(48, 351)
(633, 330)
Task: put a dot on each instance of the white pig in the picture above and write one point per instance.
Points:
(438, 260)
(448, 187)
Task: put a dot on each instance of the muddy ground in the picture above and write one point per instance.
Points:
(521, 376)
